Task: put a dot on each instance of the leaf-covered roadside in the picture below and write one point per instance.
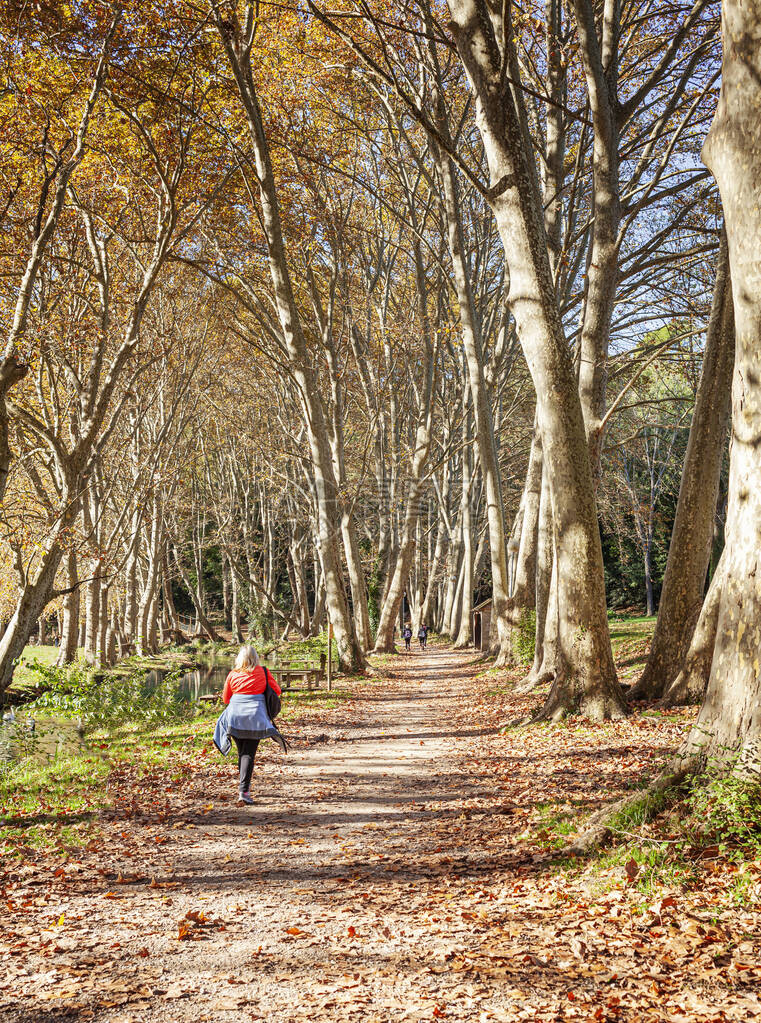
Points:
(667, 917)
(402, 864)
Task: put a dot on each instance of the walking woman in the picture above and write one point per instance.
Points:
(245, 716)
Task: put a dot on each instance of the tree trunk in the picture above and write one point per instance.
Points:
(225, 591)
(350, 655)
(318, 614)
(237, 632)
(152, 627)
(586, 678)
(690, 684)
(67, 651)
(692, 536)
(453, 575)
(647, 557)
(523, 597)
(29, 607)
(551, 626)
(384, 641)
(12, 371)
(203, 621)
(101, 654)
(130, 595)
(356, 579)
(113, 637)
(466, 598)
(601, 278)
(729, 723)
(434, 572)
(166, 588)
(146, 642)
(457, 602)
(544, 558)
(92, 611)
(92, 523)
(482, 413)
(302, 601)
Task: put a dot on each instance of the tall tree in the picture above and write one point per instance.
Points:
(238, 41)
(729, 723)
(692, 536)
(586, 678)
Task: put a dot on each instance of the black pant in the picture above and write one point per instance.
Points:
(246, 752)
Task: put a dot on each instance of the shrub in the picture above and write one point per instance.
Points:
(95, 700)
(524, 637)
(727, 809)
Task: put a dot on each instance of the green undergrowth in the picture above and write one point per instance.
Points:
(78, 693)
(667, 842)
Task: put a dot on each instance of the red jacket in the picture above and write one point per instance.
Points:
(250, 681)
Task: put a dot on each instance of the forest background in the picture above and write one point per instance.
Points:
(363, 315)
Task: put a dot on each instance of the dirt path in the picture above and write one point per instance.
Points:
(381, 876)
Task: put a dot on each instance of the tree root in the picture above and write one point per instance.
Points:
(533, 681)
(651, 800)
(596, 707)
(502, 658)
(688, 688)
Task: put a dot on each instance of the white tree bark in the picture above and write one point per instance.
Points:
(586, 677)
(729, 723)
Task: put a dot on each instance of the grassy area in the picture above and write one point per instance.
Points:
(49, 799)
(630, 638)
(54, 800)
(304, 649)
(25, 677)
(624, 630)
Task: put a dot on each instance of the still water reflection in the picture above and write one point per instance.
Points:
(29, 731)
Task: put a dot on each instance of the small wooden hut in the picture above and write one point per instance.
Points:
(482, 625)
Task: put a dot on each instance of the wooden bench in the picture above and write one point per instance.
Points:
(307, 673)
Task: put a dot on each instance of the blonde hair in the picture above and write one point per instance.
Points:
(247, 658)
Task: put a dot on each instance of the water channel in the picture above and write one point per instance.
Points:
(38, 732)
